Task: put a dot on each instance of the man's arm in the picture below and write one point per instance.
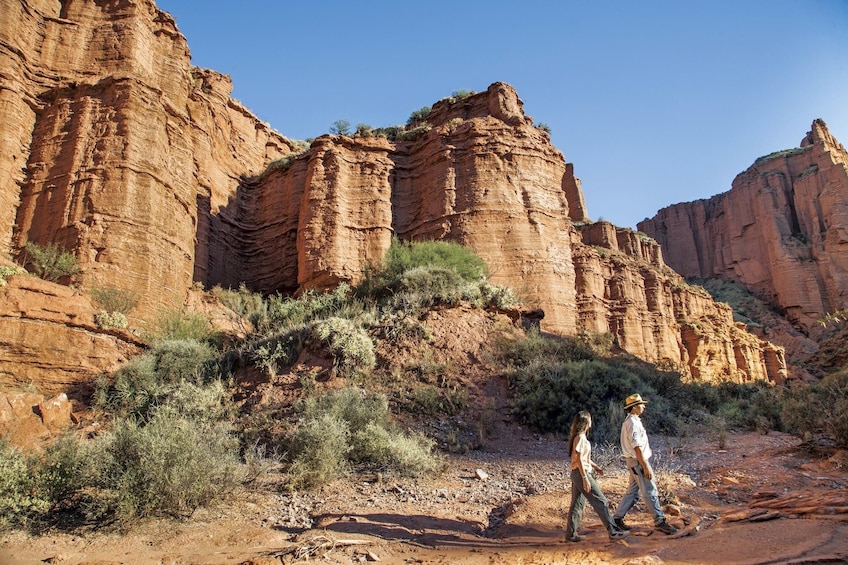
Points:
(646, 468)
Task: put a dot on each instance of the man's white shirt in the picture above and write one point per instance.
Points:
(633, 435)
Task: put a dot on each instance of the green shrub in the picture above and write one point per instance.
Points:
(21, 501)
(548, 395)
(418, 116)
(180, 324)
(364, 130)
(431, 285)
(819, 411)
(51, 263)
(107, 320)
(496, 296)
(7, 271)
(34, 487)
(319, 446)
(350, 427)
(458, 95)
(350, 344)
(150, 378)
(340, 127)
(170, 466)
(402, 257)
(416, 132)
(112, 299)
(393, 451)
(281, 164)
(284, 312)
(278, 350)
(537, 348)
(435, 401)
(249, 305)
(351, 405)
(179, 456)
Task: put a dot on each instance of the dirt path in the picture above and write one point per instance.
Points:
(759, 500)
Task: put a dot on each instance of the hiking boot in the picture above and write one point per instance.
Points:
(575, 538)
(666, 528)
(619, 523)
(618, 534)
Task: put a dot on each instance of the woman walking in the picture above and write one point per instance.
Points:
(583, 484)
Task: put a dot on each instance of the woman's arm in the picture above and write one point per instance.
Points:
(583, 472)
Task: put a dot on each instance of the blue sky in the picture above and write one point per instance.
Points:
(654, 101)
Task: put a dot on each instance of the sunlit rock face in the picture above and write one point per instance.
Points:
(145, 168)
(781, 230)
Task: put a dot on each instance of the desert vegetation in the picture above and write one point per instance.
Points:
(180, 436)
(51, 262)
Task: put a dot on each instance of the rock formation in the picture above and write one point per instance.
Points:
(116, 148)
(781, 231)
(49, 339)
(113, 145)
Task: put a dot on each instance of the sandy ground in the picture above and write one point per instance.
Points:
(761, 499)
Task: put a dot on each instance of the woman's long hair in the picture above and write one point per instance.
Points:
(578, 426)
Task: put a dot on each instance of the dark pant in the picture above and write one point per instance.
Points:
(578, 502)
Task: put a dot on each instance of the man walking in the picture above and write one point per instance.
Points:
(637, 452)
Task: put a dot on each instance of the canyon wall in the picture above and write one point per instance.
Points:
(156, 178)
(781, 230)
(113, 145)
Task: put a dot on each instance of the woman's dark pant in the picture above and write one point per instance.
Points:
(578, 502)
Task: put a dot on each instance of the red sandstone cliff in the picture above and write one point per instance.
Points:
(781, 231)
(116, 148)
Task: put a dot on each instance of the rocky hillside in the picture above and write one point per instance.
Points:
(780, 232)
(143, 166)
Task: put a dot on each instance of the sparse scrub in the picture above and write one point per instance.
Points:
(350, 345)
(112, 299)
(278, 350)
(7, 271)
(818, 412)
(537, 347)
(416, 132)
(458, 95)
(418, 116)
(108, 320)
(51, 263)
(249, 305)
(437, 401)
(149, 379)
(320, 447)
(170, 466)
(364, 130)
(180, 324)
(403, 257)
(21, 502)
(350, 427)
(281, 164)
(284, 312)
(497, 296)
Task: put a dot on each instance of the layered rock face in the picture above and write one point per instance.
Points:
(48, 338)
(145, 167)
(781, 231)
(113, 146)
(624, 288)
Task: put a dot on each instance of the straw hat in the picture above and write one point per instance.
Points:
(633, 400)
